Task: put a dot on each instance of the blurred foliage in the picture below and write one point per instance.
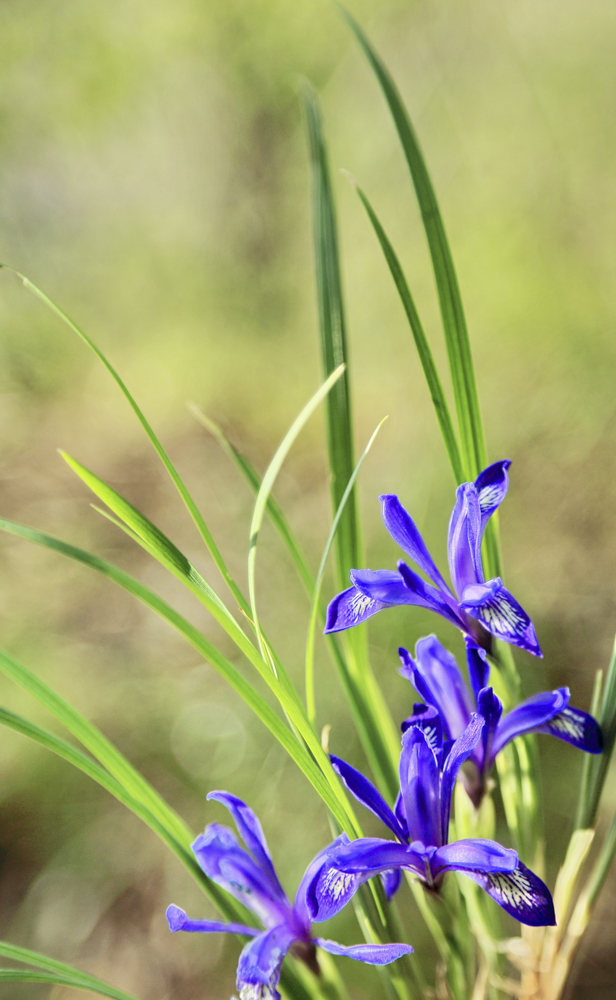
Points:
(153, 181)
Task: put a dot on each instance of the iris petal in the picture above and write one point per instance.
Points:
(260, 963)
(530, 715)
(437, 678)
(251, 832)
(179, 921)
(349, 608)
(365, 792)
(372, 954)
(419, 783)
(391, 882)
(460, 751)
(521, 893)
(491, 486)
(403, 530)
(500, 614)
(424, 595)
(474, 855)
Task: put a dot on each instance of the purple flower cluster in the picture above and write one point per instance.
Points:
(454, 724)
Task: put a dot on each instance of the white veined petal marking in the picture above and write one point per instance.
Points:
(513, 888)
(359, 604)
(491, 497)
(431, 737)
(499, 614)
(336, 884)
(569, 723)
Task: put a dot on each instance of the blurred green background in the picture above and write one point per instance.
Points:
(153, 181)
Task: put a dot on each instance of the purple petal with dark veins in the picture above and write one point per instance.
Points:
(500, 614)
(576, 727)
(419, 784)
(372, 954)
(478, 667)
(521, 893)
(484, 856)
(178, 921)
(529, 715)
(391, 882)
(349, 608)
(491, 486)
(460, 751)
(306, 905)
(369, 796)
(464, 539)
(403, 530)
(261, 960)
(429, 721)
(251, 832)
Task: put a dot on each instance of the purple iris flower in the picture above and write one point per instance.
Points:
(480, 609)
(249, 876)
(420, 823)
(435, 675)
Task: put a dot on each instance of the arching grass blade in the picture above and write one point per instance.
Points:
(53, 971)
(423, 348)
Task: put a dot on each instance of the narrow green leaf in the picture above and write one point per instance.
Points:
(423, 348)
(310, 699)
(273, 509)
(179, 845)
(156, 444)
(333, 341)
(268, 482)
(454, 323)
(322, 778)
(56, 972)
(595, 767)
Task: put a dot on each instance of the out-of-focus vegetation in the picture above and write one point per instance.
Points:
(153, 181)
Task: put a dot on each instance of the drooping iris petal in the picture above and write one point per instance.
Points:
(251, 832)
(464, 539)
(500, 614)
(325, 889)
(460, 751)
(306, 904)
(521, 893)
(576, 727)
(260, 962)
(424, 595)
(403, 530)
(179, 921)
(365, 792)
(474, 855)
(231, 867)
(419, 783)
(491, 486)
(530, 715)
(478, 667)
(437, 678)
(372, 954)
(391, 882)
(349, 608)
(428, 719)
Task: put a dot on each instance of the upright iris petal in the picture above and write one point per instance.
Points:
(249, 875)
(479, 608)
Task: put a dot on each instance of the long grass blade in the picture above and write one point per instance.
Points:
(320, 775)
(310, 697)
(595, 767)
(423, 348)
(58, 972)
(454, 323)
(269, 479)
(156, 444)
(273, 509)
(333, 341)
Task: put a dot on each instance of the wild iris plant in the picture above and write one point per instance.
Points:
(480, 609)
(452, 733)
(249, 876)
